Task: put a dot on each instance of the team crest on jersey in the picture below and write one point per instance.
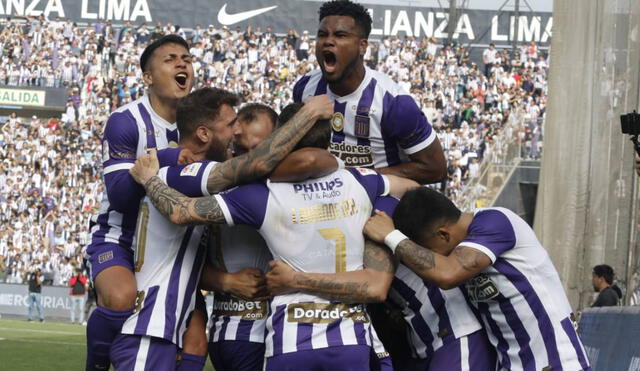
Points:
(337, 121)
(361, 126)
(105, 151)
(191, 170)
(481, 289)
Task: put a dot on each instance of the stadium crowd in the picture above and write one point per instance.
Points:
(50, 167)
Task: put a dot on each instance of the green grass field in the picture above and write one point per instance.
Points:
(43, 346)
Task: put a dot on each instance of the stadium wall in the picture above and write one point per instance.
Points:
(587, 196)
(610, 337)
(390, 17)
(56, 300)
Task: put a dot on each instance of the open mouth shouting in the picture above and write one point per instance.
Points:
(182, 80)
(329, 62)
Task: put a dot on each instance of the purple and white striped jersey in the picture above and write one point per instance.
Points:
(128, 132)
(435, 317)
(377, 125)
(519, 297)
(168, 260)
(314, 226)
(232, 318)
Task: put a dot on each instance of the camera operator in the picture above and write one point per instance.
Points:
(35, 297)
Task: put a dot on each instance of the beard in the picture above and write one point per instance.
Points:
(217, 151)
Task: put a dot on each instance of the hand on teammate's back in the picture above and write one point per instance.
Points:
(146, 167)
(321, 106)
(249, 284)
(186, 157)
(378, 226)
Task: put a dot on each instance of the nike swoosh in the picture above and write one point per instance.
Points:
(227, 19)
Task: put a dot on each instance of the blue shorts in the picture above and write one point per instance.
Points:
(136, 352)
(343, 358)
(105, 254)
(237, 355)
(468, 353)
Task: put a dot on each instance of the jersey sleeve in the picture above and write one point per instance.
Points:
(491, 232)
(375, 184)
(169, 156)
(246, 204)
(387, 204)
(119, 147)
(406, 123)
(190, 180)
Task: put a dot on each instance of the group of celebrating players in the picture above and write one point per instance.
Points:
(297, 222)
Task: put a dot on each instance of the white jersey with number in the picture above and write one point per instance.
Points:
(314, 226)
(168, 261)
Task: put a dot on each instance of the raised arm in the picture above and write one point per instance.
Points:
(261, 161)
(445, 271)
(368, 285)
(303, 164)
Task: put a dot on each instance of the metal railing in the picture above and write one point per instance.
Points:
(501, 158)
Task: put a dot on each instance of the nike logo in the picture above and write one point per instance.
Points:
(227, 19)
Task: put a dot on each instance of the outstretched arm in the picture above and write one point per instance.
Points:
(260, 161)
(368, 285)
(178, 208)
(445, 271)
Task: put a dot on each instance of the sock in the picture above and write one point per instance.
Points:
(191, 362)
(102, 327)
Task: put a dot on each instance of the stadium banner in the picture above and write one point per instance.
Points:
(610, 337)
(473, 26)
(56, 301)
(36, 99)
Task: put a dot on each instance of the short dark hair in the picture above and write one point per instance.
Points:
(201, 106)
(605, 271)
(318, 136)
(422, 210)
(349, 9)
(249, 112)
(148, 51)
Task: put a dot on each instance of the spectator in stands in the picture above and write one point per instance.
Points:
(602, 280)
(35, 294)
(79, 287)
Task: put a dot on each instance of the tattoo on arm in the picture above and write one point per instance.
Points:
(469, 259)
(263, 159)
(378, 257)
(181, 209)
(415, 255)
(345, 292)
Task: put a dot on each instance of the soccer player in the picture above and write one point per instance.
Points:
(443, 332)
(168, 257)
(235, 270)
(308, 225)
(148, 122)
(145, 123)
(507, 275)
(376, 124)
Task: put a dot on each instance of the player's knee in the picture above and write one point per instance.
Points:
(119, 298)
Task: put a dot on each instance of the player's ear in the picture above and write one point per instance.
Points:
(203, 134)
(443, 234)
(364, 43)
(148, 79)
